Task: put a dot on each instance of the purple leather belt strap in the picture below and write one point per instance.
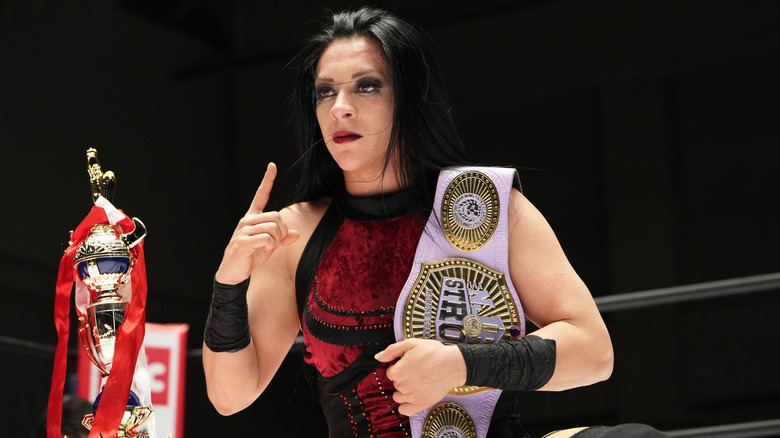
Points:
(459, 289)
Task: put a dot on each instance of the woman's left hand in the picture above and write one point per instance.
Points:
(425, 372)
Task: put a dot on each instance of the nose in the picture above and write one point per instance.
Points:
(342, 107)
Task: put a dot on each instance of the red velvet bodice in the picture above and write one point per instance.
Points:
(350, 309)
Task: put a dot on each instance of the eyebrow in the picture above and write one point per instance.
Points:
(354, 75)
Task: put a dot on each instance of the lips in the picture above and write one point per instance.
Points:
(345, 137)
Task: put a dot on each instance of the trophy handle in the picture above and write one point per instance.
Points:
(84, 336)
(134, 237)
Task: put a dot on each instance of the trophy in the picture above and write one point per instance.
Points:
(103, 263)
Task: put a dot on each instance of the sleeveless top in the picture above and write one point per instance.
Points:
(348, 281)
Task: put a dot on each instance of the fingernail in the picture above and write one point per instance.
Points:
(378, 356)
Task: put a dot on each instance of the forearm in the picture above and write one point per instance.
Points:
(230, 361)
(522, 365)
(558, 357)
(239, 363)
(232, 379)
(584, 355)
(235, 379)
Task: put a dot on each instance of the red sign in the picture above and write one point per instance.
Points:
(159, 364)
(166, 347)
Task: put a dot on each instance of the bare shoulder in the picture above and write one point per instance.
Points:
(522, 213)
(306, 211)
(304, 216)
(529, 231)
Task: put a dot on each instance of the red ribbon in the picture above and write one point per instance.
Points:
(113, 401)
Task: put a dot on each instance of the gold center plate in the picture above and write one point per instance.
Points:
(489, 312)
(419, 319)
(470, 211)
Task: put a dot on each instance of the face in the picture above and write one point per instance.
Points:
(354, 90)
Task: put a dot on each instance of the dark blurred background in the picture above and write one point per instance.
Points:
(646, 132)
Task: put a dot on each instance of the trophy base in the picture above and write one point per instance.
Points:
(133, 419)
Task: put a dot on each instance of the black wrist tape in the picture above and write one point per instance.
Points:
(227, 327)
(526, 364)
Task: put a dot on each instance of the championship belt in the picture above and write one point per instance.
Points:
(459, 290)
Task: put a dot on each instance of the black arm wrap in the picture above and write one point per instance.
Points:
(526, 364)
(227, 327)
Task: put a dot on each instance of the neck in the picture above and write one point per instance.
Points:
(362, 186)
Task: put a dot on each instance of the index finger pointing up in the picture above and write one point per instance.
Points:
(264, 191)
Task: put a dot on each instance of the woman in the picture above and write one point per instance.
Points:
(372, 116)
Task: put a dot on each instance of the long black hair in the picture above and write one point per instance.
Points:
(424, 137)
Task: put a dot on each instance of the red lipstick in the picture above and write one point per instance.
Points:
(345, 137)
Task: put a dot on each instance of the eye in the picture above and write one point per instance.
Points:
(368, 86)
(324, 92)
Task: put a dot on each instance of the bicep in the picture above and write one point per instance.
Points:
(273, 314)
(548, 286)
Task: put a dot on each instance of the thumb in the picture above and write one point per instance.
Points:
(394, 351)
(291, 237)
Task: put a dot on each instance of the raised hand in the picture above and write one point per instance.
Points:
(258, 234)
(425, 372)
